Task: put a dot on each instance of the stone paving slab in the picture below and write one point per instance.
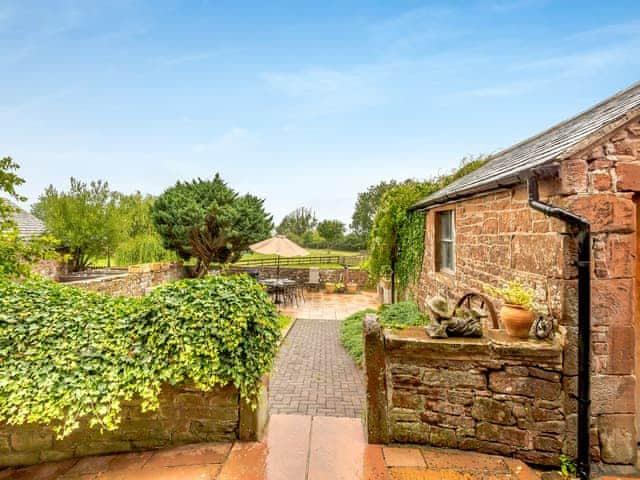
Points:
(296, 448)
(313, 375)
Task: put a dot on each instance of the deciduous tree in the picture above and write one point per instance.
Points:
(86, 219)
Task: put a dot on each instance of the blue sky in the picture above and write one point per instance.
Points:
(303, 103)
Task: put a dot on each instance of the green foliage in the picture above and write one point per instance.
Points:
(568, 468)
(135, 214)
(332, 231)
(351, 242)
(396, 240)
(366, 207)
(398, 315)
(15, 253)
(144, 248)
(351, 334)
(514, 293)
(208, 220)
(297, 223)
(85, 219)
(402, 314)
(66, 354)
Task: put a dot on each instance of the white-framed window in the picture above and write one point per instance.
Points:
(445, 240)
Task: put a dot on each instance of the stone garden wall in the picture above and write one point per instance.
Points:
(132, 284)
(186, 415)
(490, 395)
(499, 237)
(302, 274)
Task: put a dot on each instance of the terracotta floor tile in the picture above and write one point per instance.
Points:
(409, 473)
(91, 465)
(183, 472)
(467, 461)
(40, 472)
(129, 461)
(520, 469)
(373, 468)
(403, 457)
(337, 449)
(246, 461)
(288, 446)
(198, 454)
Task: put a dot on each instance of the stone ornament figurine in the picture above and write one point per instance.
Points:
(463, 322)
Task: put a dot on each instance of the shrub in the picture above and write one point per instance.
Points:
(143, 248)
(67, 354)
(398, 315)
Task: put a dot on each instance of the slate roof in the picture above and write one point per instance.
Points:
(28, 225)
(511, 166)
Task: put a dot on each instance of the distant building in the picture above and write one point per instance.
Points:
(28, 225)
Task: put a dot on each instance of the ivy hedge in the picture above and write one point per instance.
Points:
(396, 240)
(68, 354)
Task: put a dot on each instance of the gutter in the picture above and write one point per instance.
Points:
(584, 319)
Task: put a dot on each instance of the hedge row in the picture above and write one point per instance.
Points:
(67, 354)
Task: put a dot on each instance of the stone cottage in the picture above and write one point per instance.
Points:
(482, 229)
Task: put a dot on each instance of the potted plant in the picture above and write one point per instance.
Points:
(352, 287)
(517, 312)
(340, 287)
(329, 287)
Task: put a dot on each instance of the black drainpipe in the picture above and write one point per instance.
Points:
(584, 319)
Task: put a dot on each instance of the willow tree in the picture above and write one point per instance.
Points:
(209, 221)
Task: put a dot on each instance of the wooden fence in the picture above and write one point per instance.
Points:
(344, 260)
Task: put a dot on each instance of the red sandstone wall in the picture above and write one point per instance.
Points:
(499, 237)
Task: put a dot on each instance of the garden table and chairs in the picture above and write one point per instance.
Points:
(284, 290)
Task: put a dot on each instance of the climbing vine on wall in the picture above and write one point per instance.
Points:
(396, 242)
(68, 355)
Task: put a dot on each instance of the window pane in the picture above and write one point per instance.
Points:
(446, 232)
(446, 255)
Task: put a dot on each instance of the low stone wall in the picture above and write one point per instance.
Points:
(491, 395)
(50, 269)
(132, 284)
(302, 274)
(186, 415)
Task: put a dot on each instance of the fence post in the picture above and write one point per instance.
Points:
(375, 372)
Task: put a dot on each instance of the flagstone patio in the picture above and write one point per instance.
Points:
(331, 306)
(297, 447)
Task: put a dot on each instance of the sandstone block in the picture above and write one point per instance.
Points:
(443, 437)
(407, 399)
(527, 386)
(628, 176)
(613, 394)
(488, 410)
(621, 349)
(31, 439)
(492, 448)
(617, 435)
(612, 301)
(547, 443)
(573, 175)
(502, 434)
(606, 212)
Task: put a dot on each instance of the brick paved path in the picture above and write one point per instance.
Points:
(313, 374)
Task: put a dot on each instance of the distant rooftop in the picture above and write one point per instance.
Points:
(28, 225)
(511, 166)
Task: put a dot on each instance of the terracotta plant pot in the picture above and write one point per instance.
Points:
(329, 287)
(516, 320)
(352, 287)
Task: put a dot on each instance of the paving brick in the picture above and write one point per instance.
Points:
(313, 375)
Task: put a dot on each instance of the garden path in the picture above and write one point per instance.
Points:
(313, 375)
